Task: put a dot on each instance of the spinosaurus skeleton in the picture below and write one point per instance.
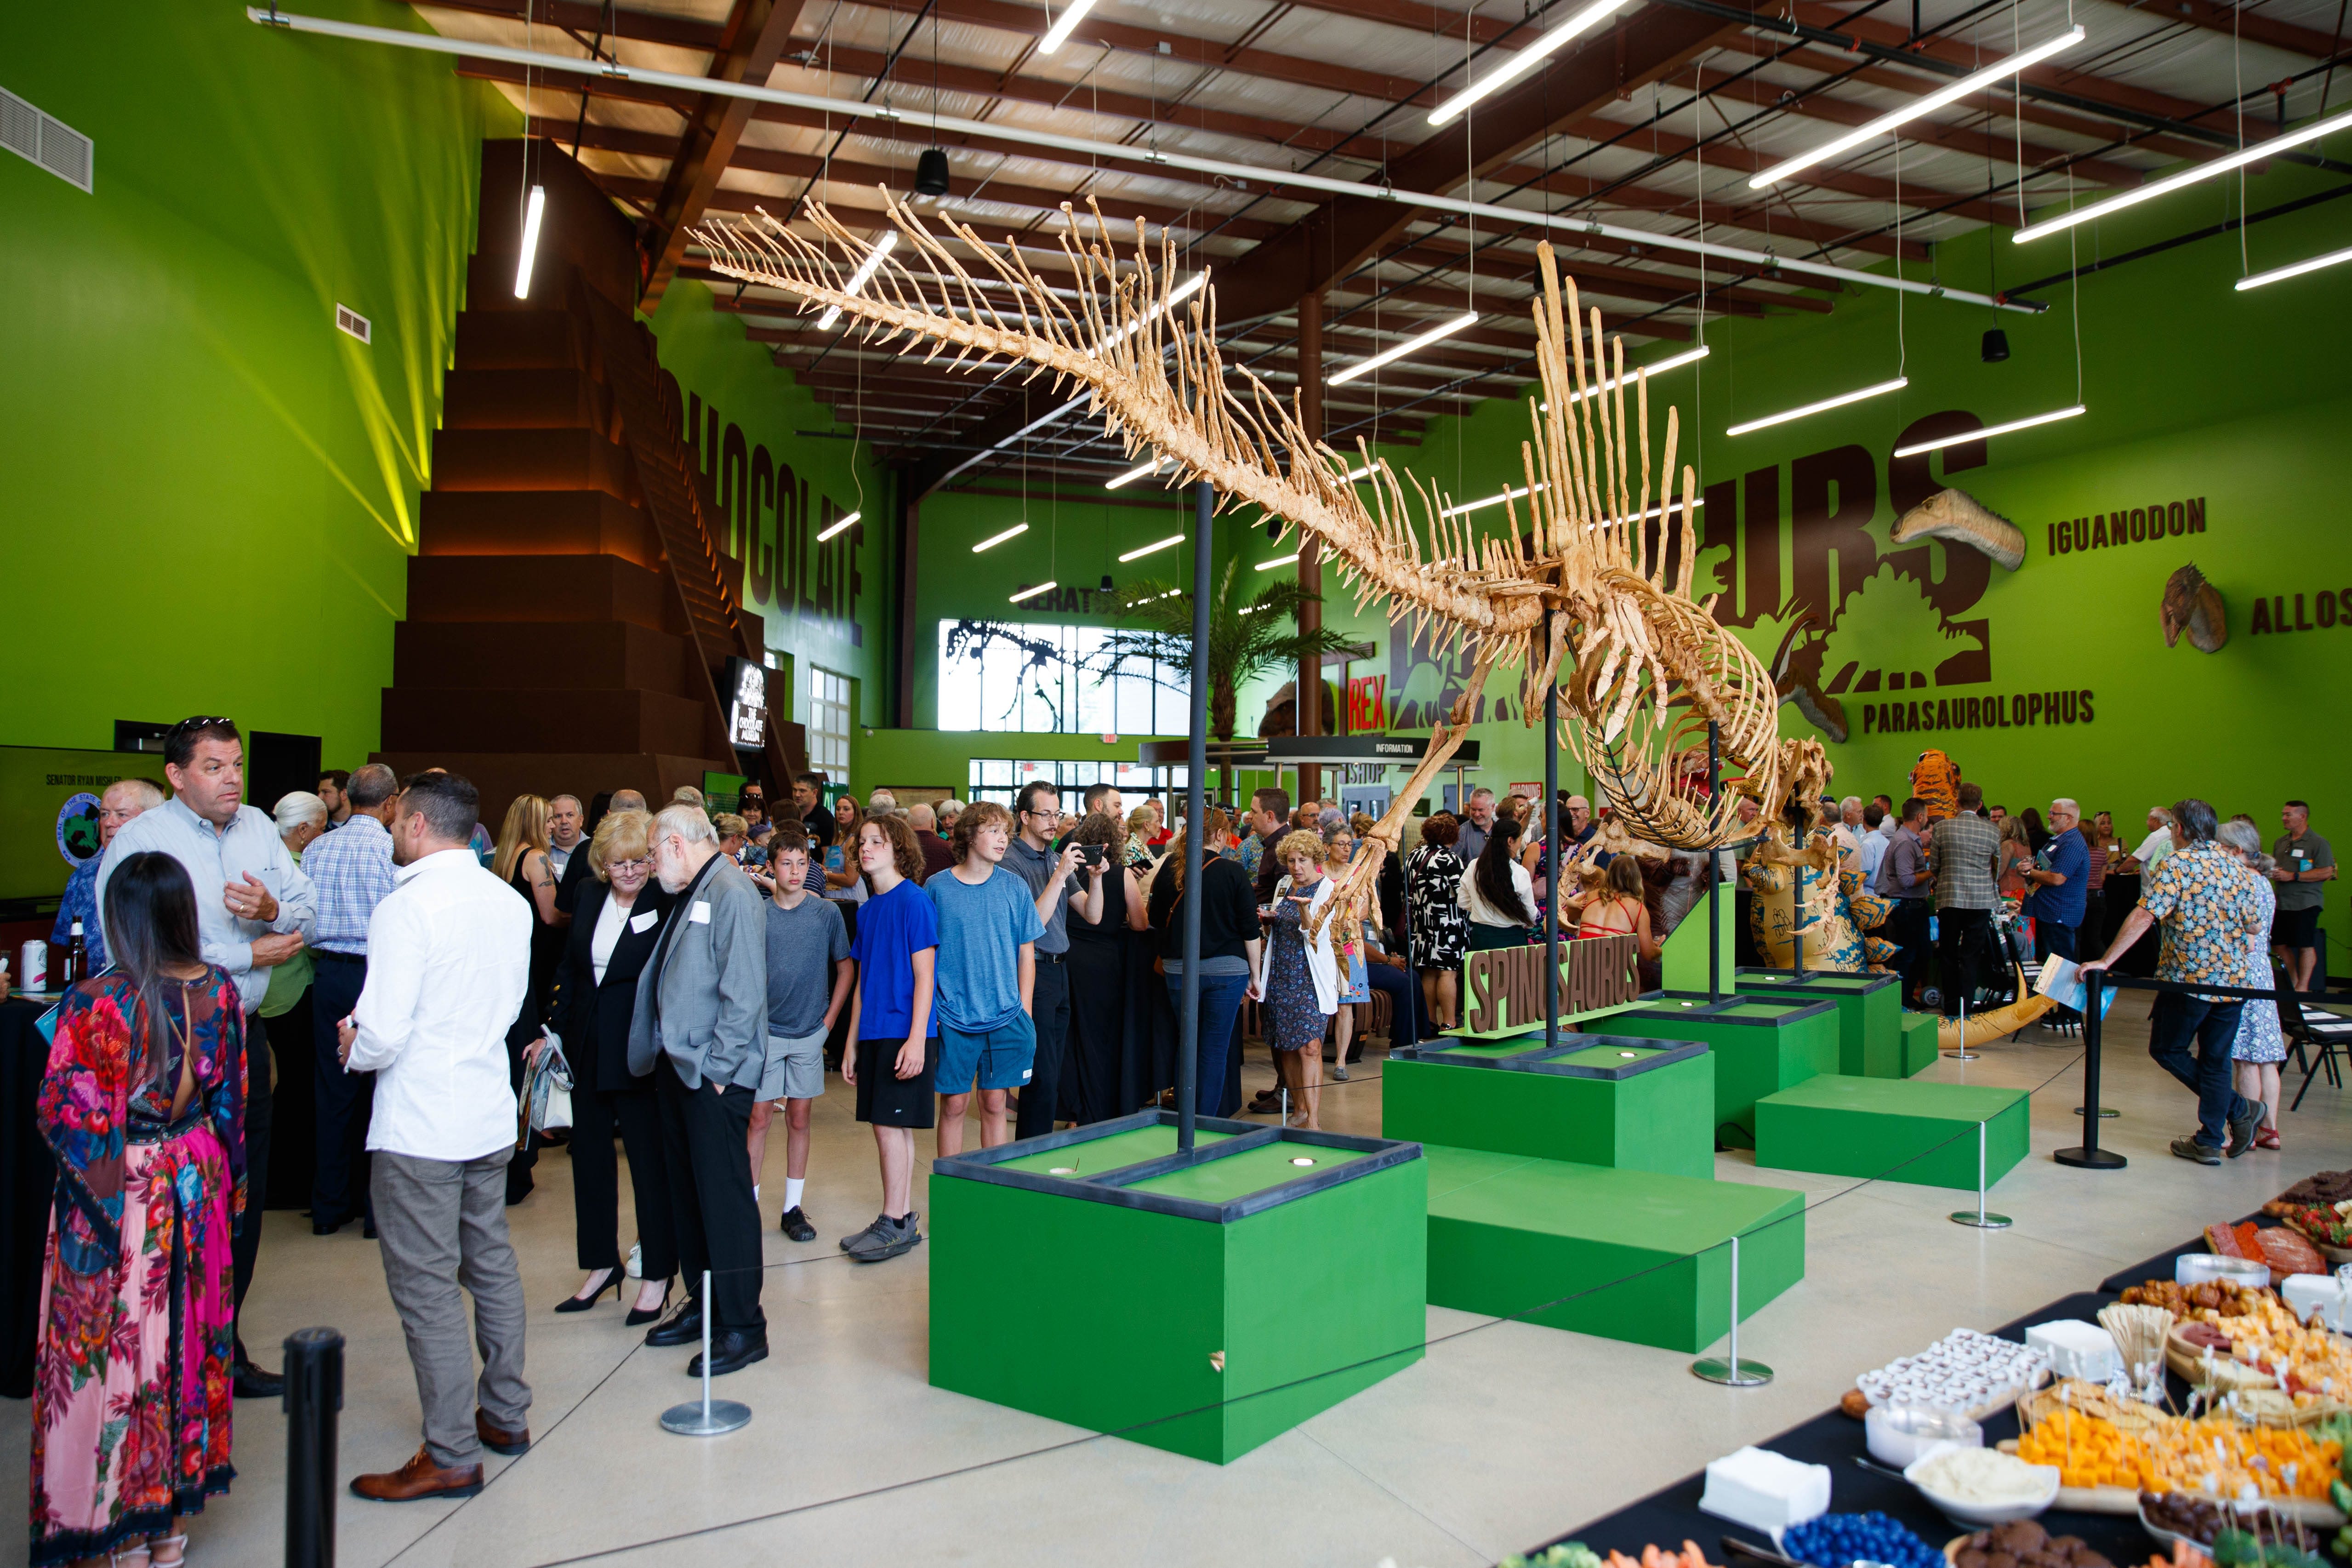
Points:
(1587, 584)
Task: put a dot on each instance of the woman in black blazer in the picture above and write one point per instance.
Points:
(616, 924)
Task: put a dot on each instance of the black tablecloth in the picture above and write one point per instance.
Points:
(1670, 1516)
(27, 1178)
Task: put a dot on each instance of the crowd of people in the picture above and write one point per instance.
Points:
(687, 974)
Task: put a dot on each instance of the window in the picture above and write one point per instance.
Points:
(828, 724)
(1047, 679)
(999, 779)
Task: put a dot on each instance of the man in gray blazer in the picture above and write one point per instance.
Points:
(700, 1029)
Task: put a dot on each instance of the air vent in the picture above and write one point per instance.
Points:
(45, 139)
(352, 321)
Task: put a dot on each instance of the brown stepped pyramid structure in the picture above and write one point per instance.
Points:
(570, 615)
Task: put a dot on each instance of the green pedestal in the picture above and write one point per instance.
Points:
(1920, 1132)
(1683, 958)
(1921, 1042)
(1869, 1009)
(1199, 1303)
(1599, 1099)
(1759, 1045)
(1627, 1255)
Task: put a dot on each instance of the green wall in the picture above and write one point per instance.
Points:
(212, 492)
(782, 475)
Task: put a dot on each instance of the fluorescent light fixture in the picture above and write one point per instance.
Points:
(1672, 362)
(1059, 33)
(1176, 295)
(1470, 506)
(1840, 401)
(1132, 475)
(1950, 92)
(1032, 593)
(531, 214)
(1014, 532)
(1526, 59)
(2253, 154)
(1152, 550)
(1355, 475)
(2055, 414)
(2296, 270)
(1120, 153)
(1411, 345)
(864, 275)
(838, 525)
(1278, 561)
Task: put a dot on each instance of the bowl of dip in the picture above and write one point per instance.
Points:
(1982, 1487)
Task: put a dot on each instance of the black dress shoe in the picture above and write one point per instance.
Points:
(327, 1227)
(252, 1383)
(683, 1330)
(731, 1350)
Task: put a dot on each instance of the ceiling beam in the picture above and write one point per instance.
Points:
(756, 33)
(2246, 23)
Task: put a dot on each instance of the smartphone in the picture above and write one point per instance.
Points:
(1092, 854)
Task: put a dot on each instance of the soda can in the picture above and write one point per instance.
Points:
(33, 965)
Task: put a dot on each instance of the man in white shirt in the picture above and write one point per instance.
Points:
(448, 961)
(254, 911)
(1847, 831)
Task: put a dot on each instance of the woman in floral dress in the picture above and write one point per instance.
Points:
(1302, 977)
(2254, 1060)
(1440, 931)
(144, 1112)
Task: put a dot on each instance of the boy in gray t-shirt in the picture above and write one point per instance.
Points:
(809, 974)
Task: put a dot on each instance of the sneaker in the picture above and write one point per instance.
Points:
(795, 1225)
(885, 1238)
(1338, 1073)
(2189, 1149)
(2241, 1132)
(851, 1243)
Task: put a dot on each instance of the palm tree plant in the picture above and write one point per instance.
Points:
(1246, 639)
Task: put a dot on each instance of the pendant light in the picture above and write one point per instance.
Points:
(931, 172)
(1996, 346)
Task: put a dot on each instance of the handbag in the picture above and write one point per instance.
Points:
(546, 1091)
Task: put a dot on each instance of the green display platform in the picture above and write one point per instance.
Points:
(1920, 1042)
(1918, 1133)
(1761, 1045)
(1869, 1009)
(1201, 1303)
(1627, 1255)
(1601, 1099)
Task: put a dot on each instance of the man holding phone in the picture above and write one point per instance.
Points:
(2061, 876)
(1032, 857)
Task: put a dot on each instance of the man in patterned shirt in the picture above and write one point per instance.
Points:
(123, 799)
(1966, 856)
(2210, 907)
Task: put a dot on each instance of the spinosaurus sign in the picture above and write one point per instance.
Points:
(1588, 594)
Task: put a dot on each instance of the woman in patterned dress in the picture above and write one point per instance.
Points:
(2262, 1044)
(1302, 976)
(1440, 931)
(143, 1110)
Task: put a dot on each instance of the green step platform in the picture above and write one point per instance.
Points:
(1626, 1254)
(1759, 1045)
(1921, 1042)
(1919, 1132)
(1600, 1099)
(1200, 1303)
(1869, 1009)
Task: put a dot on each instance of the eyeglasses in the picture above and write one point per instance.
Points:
(640, 865)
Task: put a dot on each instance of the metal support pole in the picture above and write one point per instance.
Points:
(1963, 1054)
(1979, 1218)
(1730, 1370)
(2088, 1156)
(706, 1417)
(1713, 870)
(1552, 857)
(1187, 1038)
(1797, 923)
(313, 1393)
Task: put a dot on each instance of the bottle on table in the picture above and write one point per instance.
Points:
(73, 965)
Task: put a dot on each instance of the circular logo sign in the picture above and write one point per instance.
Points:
(78, 829)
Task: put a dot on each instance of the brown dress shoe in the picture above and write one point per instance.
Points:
(498, 1439)
(418, 1480)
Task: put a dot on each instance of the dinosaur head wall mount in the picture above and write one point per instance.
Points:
(1590, 589)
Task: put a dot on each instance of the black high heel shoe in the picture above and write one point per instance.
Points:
(612, 1282)
(637, 1318)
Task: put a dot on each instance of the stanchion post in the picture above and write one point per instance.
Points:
(706, 1417)
(1977, 1218)
(1963, 1054)
(1552, 859)
(1730, 1370)
(2088, 1156)
(1196, 767)
(312, 1397)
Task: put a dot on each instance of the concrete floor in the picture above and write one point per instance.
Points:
(1500, 1438)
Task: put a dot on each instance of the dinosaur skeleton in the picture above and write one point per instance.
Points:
(1588, 587)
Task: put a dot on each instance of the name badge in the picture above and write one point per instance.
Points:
(641, 924)
(700, 913)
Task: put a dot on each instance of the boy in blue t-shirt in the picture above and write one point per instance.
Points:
(892, 1052)
(987, 972)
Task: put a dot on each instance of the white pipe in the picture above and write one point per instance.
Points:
(1121, 153)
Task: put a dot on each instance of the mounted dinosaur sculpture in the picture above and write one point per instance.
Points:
(1587, 593)
(1838, 912)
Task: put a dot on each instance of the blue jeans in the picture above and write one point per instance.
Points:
(2176, 1019)
(1220, 1011)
